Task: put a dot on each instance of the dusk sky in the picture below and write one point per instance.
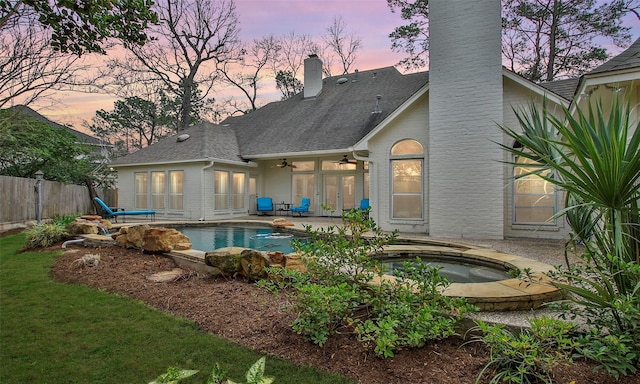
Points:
(371, 20)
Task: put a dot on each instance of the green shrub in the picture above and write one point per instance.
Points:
(45, 235)
(63, 220)
(323, 309)
(527, 356)
(340, 292)
(412, 311)
(594, 157)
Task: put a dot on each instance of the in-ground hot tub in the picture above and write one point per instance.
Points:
(506, 294)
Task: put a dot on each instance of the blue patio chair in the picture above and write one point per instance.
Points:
(110, 213)
(364, 206)
(305, 202)
(265, 204)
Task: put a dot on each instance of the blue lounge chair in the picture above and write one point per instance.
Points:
(265, 204)
(305, 202)
(110, 213)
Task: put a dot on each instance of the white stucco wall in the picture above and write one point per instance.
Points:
(466, 198)
(198, 191)
(412, 123)
(192, 189)
(520, 98)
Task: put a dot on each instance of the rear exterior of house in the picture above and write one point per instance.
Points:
(422, 147)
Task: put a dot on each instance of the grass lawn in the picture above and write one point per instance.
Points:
(53, 332)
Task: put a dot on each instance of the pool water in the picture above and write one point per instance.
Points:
(264, 239)
(454, 271)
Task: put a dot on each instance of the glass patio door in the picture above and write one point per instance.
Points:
(339, 193)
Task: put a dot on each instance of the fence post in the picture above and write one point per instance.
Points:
(39, 174)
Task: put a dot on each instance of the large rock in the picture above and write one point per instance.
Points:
(294, 262)
(152, 239)
(253, 264)
(88, 225)
(226, 259)
(162, 239)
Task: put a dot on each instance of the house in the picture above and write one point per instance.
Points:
(422, 147)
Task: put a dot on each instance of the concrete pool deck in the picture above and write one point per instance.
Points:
(535, 255)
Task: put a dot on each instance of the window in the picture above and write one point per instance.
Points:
(141, 190)
(238, 190)
(534, 198)
(176, 187)
(157, 190)
(221, 190)
(407, 180)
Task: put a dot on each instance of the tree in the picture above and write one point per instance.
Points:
(30, 67)
(343, 44)
(246, 72)
(135, 123)
(545, 39)
(84, 27)
(413, 38)
(191, 39)
(542, 39)
(28, 145)
(287, 84)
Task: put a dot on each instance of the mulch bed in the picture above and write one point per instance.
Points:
(250, 316)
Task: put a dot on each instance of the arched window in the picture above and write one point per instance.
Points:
(534, 198)
(407, 163)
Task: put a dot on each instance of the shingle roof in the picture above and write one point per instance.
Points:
(630, 58)
(206, 141)
(337, 118)
(565, 88)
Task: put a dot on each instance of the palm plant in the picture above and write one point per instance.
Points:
(594, 157)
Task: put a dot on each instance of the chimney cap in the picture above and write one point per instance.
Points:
(312, 55)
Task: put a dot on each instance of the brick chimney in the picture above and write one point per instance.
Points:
(466, 175)
(312, 76)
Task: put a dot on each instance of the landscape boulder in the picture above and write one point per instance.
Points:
(87, 225)
(152, 239)
(253, 264)
(227, 259)
(294, 262)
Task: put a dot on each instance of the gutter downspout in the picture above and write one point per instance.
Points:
(202, 185)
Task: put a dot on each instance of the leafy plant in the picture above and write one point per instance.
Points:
(282, 278)
(343, 293)
(411, 311)
(527, 356)
(323, 309)
(255, 375)
(45, 235)
(63, 220)
(594, 156)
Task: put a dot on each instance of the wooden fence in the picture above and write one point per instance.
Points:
(18, 199)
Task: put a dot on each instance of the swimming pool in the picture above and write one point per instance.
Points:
(264, 239)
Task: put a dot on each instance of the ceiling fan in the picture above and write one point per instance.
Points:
(345, 160)
(284, 164)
